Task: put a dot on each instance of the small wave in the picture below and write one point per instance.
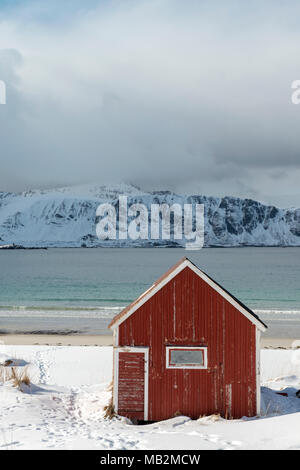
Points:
(61, 332)
(106, 312)
(61, 308)
(59, 312)
(276, 312)
(95, 300)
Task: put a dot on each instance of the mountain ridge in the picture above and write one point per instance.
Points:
(66, 217)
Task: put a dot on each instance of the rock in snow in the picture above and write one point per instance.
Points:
(66, 217)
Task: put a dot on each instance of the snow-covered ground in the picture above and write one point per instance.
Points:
(64, 408)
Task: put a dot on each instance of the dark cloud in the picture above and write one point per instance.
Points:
(191, 96)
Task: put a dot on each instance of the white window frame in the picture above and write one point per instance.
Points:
(186, 366)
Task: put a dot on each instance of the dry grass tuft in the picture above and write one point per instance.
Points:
(211, 418)
(109, 410)
(3, 374)
(20, 377)
(8, 362)
(110, 387)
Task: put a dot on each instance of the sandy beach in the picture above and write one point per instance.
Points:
(284, 343)
(107, 340)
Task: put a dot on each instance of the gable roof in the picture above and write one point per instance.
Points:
(168, 276)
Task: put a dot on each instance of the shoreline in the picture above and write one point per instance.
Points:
(107, 340)
(56, 340)
(277, 343)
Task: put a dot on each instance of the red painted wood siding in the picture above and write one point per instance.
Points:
(188, 312)
(131, 384)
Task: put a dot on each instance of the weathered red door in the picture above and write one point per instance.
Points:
(131, 384)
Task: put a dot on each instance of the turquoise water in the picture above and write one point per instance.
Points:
(80, 290)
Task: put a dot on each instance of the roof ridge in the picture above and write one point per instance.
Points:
(156, 283)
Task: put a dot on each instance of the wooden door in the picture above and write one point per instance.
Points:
(131, 384)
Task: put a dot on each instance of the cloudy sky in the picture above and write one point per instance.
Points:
(193, 95)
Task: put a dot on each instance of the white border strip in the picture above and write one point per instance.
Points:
(186, 366)
(203, 276)
(146, 375)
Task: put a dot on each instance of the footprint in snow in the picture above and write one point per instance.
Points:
(14, 443)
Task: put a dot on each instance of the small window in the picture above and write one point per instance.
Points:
(183, 357)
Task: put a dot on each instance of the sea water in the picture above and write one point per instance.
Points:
(79, 290)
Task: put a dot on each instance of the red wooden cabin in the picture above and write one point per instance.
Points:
(186, 346)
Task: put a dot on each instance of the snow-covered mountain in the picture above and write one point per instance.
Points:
(67, 217)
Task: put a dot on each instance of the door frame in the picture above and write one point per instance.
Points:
(136, 349)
